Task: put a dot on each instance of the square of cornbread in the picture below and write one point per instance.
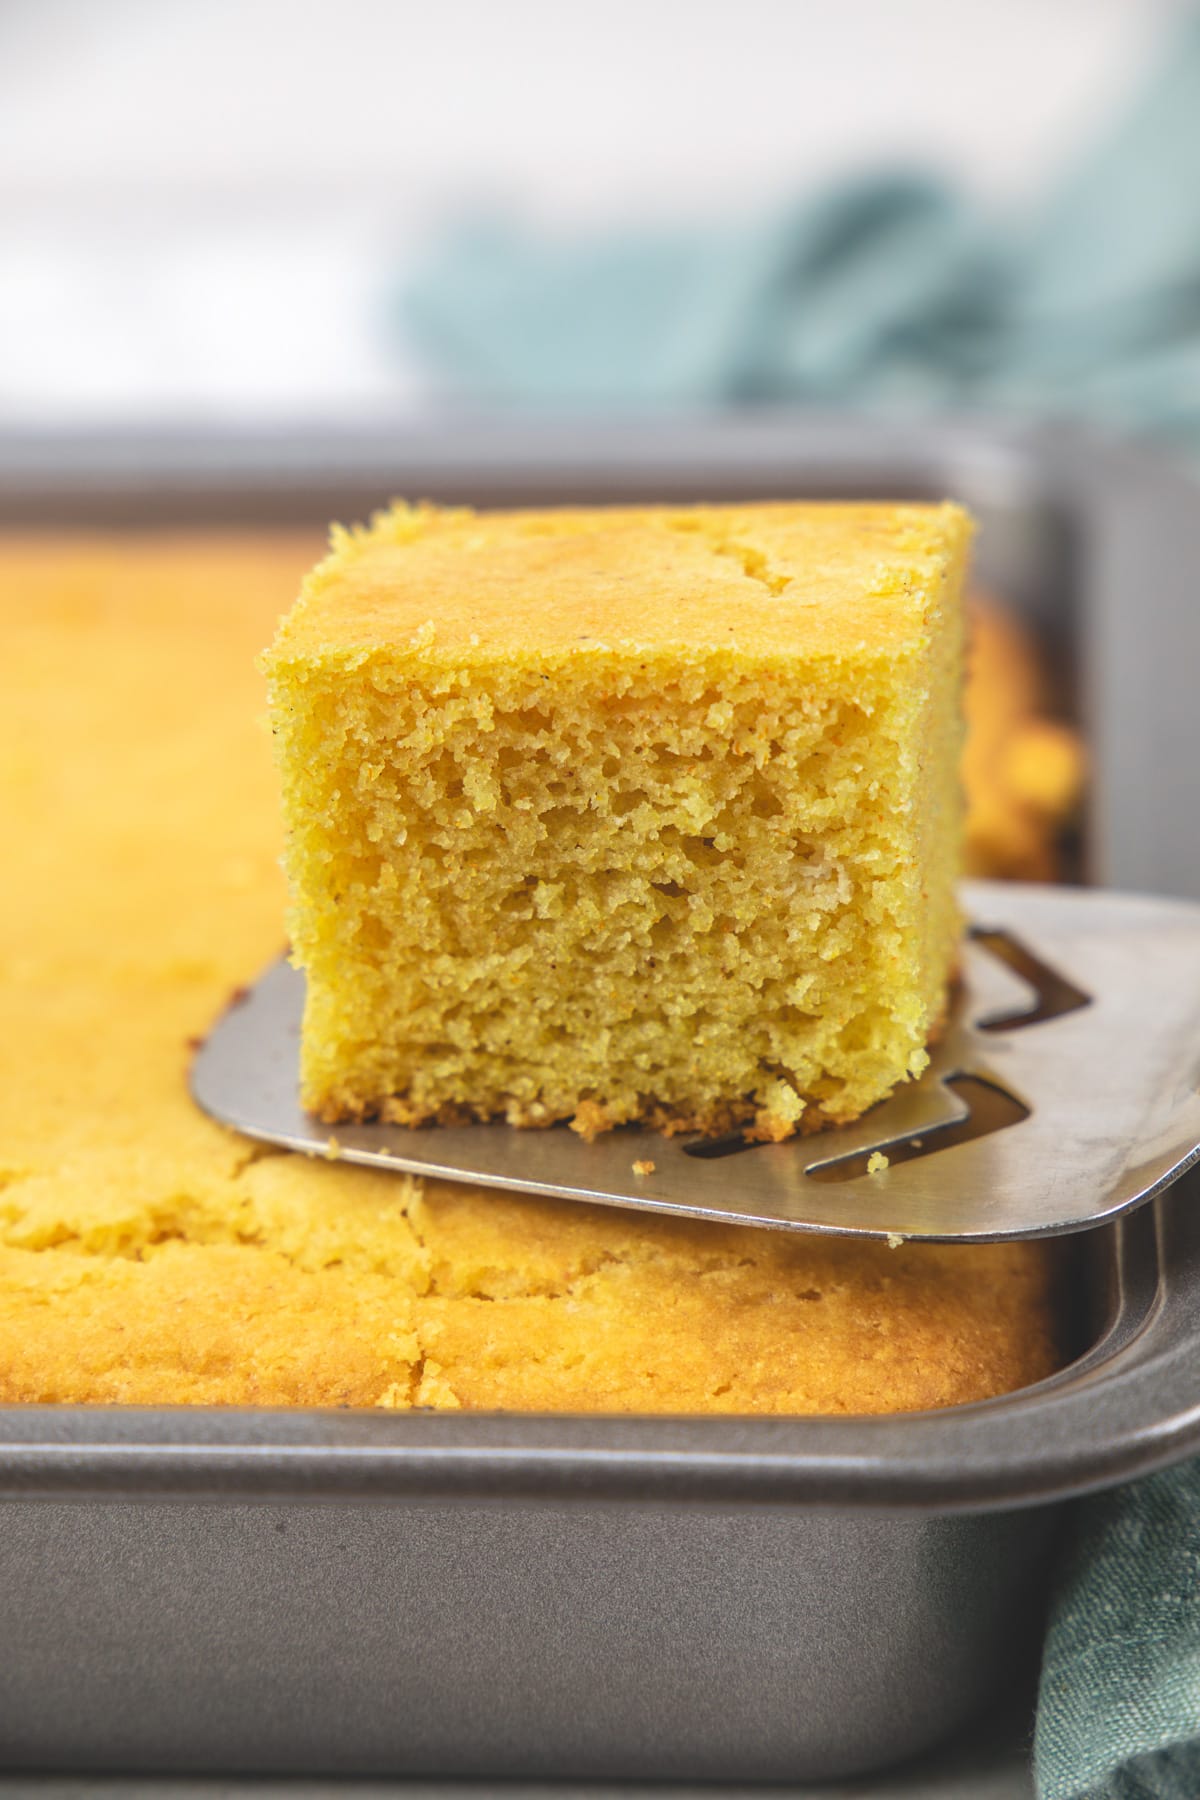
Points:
(614, 815)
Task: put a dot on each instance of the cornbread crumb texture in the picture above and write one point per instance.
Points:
(708, 756)
(537, 1306)
(148, 1256)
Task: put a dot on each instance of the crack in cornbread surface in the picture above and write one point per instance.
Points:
(612, 815)
(147, 1255)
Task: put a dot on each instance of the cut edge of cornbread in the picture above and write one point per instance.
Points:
(517, 748)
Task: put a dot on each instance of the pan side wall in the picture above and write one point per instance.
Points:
(585, 1641)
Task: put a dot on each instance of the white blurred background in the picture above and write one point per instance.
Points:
(206, 209)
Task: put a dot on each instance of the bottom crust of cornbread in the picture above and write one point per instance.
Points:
(590, 1118)
(148, 1256)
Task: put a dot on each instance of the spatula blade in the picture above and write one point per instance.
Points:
(1103, 1097)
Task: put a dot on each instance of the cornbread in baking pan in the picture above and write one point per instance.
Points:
(624, 815)
(147, 1255)
(286, 1282)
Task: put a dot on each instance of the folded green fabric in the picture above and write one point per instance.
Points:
(889, 291)
(1119, 1706)
(825, 300)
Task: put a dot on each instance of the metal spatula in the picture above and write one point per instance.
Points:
(1064, 1092)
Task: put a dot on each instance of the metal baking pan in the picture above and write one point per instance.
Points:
(615, 1597)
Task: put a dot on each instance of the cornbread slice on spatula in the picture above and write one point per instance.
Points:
(611, 816)
(1064, 1091)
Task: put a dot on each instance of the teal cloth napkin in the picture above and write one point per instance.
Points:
(1119, 1707)
(891, 290)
